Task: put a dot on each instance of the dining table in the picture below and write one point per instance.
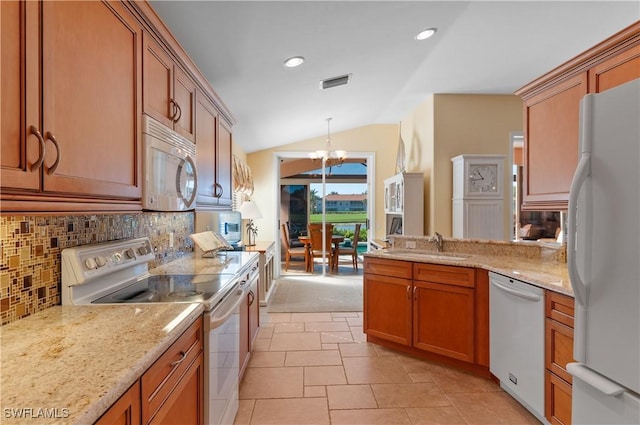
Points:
(306, 240)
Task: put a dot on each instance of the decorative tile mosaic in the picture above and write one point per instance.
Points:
(31, 245)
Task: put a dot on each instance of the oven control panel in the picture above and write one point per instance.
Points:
(85, 263)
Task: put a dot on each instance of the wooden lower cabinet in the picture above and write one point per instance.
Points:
(558, 352)
(431, 309)
(125, 411)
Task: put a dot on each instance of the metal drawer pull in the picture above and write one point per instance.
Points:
(52, 169)
(252, 297)
(408, 292)
(183, 356)
(43, 147)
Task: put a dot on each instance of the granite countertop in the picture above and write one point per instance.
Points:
(539, 272)
(69, 364)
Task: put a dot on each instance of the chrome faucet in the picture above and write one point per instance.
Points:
(437, 238)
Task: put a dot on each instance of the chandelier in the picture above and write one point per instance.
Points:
(329, 157)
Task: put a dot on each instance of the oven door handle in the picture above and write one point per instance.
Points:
(220, 315)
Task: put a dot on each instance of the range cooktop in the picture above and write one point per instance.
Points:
(171, 288)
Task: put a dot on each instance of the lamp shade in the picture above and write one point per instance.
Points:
(249, 210)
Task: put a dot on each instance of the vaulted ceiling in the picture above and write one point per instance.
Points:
(479, 47)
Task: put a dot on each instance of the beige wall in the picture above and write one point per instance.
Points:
(381, 140)
(440, 128)
(447, 125)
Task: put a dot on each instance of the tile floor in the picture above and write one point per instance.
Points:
(317, 368)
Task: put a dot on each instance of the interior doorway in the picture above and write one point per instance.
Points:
(298, 194)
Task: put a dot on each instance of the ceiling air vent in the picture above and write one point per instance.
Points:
(335, 81)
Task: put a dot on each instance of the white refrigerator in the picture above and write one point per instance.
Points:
(604, 259)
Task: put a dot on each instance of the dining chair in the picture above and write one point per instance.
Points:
(291, 252)
(353, 249)
(315, 233)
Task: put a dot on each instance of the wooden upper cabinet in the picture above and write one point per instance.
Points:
(169, 93)
(20, 87)
(551, 120)
(91, 76)
(223, 165)
(551, 115)
(206, 125)
(615, 71)
(84, 146)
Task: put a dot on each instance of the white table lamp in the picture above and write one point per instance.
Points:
(249, 211)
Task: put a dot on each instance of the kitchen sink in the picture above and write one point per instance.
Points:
(426, 255)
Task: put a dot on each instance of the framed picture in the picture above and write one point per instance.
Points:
(396, 226)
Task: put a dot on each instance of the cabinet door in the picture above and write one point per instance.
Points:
(559, 348)
(91, 99)
(558, 400)
(185, 404)
(125, 411)
(206, 124)
(223, 165)
(184, 95)
(551, 122)
(254, 312)
(20, 100)
(244, 335)
(443, 319)
(387, 307)
(615, 71)
(158, 82)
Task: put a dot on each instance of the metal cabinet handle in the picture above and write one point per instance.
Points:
(174, 110)
(217, 194)
(252, 298)
(408, 292)
(179, 113)
(183, 356)
(415, 293)
(52, 169)
(33, 130)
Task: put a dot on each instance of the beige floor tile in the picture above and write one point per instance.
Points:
(350, 397)
(455, 381)
(357, 349)
(435, 416)
(374, 370)
(315, 391)
(330, 346)
(326, 326)
(344, 314)
(324, 375)
(245, 411)
(289, 327)
(261, 345)
(267, 359)
(272, 382)
(355, 321)
(357, 334)
(295, 341)
(265, 332)
(384, 351)
(313, 358)
(297, 411)
(311, 317)
(277, 318)
(491, 408)
(420, 377)
(329, 337)
(409, 395)
(412, 364)
(370, 417)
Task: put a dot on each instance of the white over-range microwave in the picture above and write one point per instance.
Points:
(169, 169)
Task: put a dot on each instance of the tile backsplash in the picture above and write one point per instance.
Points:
(31, 246)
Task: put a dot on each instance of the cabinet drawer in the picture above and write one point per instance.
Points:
(450, 275)
(559, 348)
(161, 378)
(560, 308)
(383, 267)
(557, 400)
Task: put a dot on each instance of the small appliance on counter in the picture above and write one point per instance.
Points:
(226, 223)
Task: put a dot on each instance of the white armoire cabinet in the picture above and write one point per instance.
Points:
(404, 204)
(478, 197)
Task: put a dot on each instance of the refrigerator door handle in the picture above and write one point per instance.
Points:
(582, 172)
(597, 381)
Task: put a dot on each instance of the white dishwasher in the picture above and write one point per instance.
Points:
(516, 318)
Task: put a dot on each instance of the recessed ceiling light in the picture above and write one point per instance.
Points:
(424, 34)
(294, 61)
